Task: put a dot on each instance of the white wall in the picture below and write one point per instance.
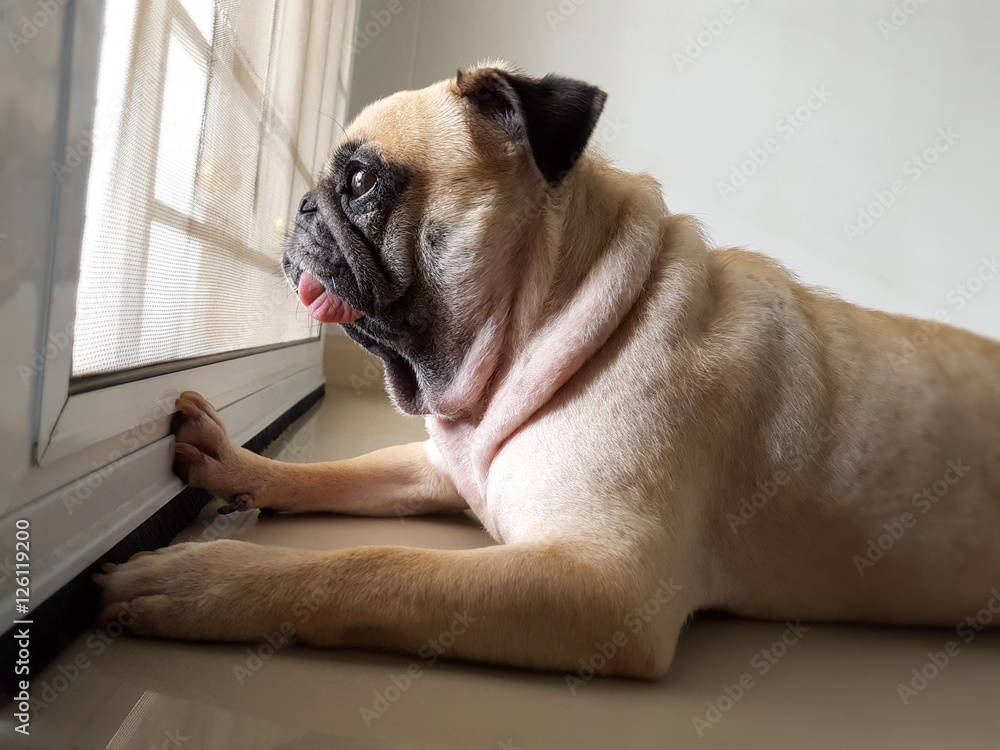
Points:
(891, 88)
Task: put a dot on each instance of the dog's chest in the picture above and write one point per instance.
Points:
(455, 446)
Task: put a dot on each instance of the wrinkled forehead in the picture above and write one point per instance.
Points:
(410, 128)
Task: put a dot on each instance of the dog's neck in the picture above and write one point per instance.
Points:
(576, 288)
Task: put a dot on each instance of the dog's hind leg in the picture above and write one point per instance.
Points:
(397, 481)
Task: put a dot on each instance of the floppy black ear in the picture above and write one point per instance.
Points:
(554, 115)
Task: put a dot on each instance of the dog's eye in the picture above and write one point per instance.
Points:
(360, 182)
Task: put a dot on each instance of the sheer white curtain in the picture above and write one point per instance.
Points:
(212, 118)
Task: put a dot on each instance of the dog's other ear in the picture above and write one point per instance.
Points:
(553, 115)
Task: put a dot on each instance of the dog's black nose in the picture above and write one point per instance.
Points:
(308, 204)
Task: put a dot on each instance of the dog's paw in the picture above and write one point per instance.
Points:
(202, 591)
(206, 458)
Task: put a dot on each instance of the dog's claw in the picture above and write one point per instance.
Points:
(189, 452)
(185, 456)
(188, 408)
(238, 503)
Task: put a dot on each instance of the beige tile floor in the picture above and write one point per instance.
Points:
(836, 688)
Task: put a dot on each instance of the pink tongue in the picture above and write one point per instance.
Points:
(322, 305)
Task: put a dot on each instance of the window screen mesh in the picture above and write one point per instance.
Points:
(211, 120)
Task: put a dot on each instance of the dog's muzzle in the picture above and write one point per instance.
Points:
(319, 301)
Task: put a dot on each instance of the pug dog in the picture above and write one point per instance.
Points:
(647, 426)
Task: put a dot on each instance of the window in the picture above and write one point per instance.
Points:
(211, 138)
(185, 133)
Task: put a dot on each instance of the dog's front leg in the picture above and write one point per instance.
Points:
(396, 481)
(544, 606)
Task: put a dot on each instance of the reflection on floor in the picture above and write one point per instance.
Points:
(731, 685)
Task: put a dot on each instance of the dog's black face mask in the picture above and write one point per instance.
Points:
(353, 258)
